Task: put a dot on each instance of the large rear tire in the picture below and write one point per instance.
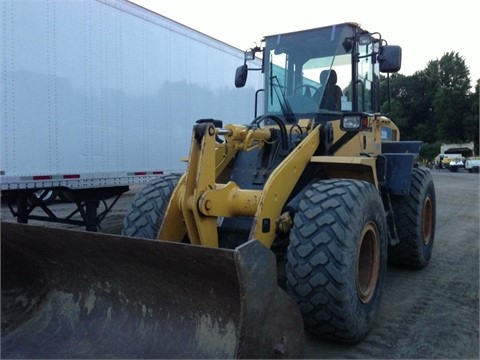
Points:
(415, 217)
(148, 207)
(337, 258)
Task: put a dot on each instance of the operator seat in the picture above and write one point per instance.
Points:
(332, 94)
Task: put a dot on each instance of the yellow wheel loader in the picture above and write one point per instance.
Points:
(278, 225)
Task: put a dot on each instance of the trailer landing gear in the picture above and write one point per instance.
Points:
(22, 204)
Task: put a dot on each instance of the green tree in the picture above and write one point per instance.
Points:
(435, 104)
(400, 102)
(472, 121)
(451, 102)
(413, 112)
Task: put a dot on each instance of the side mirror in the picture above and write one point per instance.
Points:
(241, 76)
(390, 58)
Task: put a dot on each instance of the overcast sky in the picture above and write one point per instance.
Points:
(425, 29)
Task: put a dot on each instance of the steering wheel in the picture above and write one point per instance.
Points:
(306, 92)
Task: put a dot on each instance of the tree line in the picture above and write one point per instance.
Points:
(435, 105)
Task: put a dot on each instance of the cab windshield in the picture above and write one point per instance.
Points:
(311, 72)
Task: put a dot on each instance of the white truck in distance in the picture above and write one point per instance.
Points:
(472, 164)
(453, 156)
(443, 161)
(98, 95)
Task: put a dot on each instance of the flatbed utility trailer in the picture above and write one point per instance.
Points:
(98, 96)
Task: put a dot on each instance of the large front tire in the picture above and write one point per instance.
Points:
(415, 217)
(148, 207)
(337, 258)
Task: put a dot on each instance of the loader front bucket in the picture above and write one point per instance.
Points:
(78, 294)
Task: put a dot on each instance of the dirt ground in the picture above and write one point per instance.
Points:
(428, 314)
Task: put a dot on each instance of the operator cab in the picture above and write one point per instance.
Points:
(323, 73)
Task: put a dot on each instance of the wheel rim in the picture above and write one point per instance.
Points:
(48, 194)
(368, 262)
(427, 220)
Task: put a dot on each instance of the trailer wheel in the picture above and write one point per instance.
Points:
(337, 258)
(148, 207)
(415, 216)
(49, 196)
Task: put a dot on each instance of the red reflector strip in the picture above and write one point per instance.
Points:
(143, 173)
(50, 177)
(43, 177)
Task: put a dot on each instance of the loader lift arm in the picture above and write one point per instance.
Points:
(200, 200)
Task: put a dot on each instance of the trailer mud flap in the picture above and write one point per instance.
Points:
(78, 294)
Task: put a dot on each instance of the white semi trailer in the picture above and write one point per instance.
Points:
(100, 95)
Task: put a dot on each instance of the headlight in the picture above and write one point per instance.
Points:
(354, 122)
(351, 122)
